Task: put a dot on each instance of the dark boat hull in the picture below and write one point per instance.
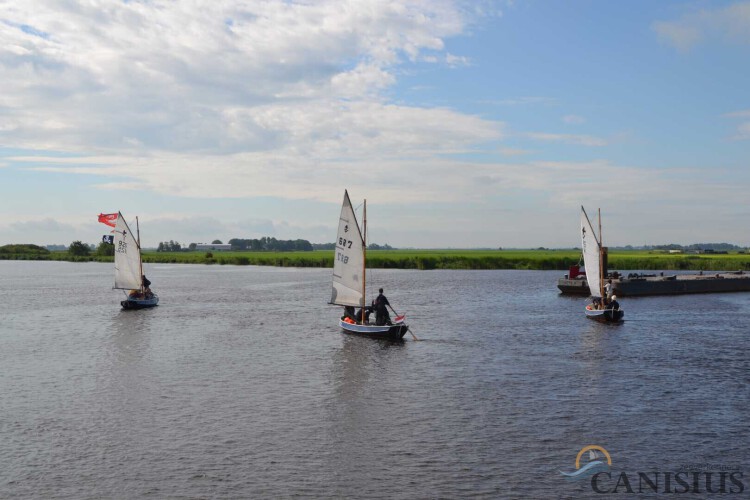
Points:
(605, 315)
(389, 332)
(664, 285)
(140, 303)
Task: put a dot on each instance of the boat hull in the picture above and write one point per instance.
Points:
(389, 332)
(679, 284)
(140, 303)
(605, 315)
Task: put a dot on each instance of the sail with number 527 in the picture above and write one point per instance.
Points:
(348, 263)
(591, 254)
(127, 257)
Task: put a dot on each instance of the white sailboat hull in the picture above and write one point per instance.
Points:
(395, 331)
(605, 315)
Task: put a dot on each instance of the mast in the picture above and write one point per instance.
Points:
(364, 259)
(601, 260)
(140, 258)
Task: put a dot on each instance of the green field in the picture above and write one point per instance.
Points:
(432, 259)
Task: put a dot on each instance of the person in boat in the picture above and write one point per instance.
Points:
(349, 313)
(613, 304)
(381, 309)
(608, 289)
(367, 311)
(146, 284)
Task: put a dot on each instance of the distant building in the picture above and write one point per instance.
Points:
(675, 251)
(213, 246)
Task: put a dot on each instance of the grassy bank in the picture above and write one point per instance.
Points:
(431, 259)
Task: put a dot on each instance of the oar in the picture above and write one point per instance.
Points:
(408, 327)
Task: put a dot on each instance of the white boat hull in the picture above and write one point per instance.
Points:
(395, 331)
(605, 315)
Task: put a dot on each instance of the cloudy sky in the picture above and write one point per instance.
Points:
(463, 123)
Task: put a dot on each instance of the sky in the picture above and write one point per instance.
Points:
(462, 123)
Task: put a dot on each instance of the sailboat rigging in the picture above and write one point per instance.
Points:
(349, 281)
(602, 308)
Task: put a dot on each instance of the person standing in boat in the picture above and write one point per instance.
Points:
(381, 309)
(613, 304)
(146, 286)
(608, 289)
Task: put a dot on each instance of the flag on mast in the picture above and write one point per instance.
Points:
(108, 219)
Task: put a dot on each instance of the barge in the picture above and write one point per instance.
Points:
(637, 284)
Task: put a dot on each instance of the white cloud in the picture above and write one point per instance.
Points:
(47, 225)
(743, 132)
(227, 99)
(175, 76)
(729, 24)
(743, 129)
(513, 151)
(738, 114)
(574, 119)
(582, 140)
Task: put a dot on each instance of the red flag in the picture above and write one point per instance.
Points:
(108, 219)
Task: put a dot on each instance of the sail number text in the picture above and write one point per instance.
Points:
(122, 247)
(344, 244)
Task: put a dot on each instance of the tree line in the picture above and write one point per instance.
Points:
(264, 244)
(270, 244)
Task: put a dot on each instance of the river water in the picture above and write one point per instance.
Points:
(241, 385)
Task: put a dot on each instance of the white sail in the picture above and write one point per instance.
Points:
(349, 259)
(127, 257)
(591, 248)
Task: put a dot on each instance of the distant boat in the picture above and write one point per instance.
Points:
(349, 277)
(129, 265)
(593, 262)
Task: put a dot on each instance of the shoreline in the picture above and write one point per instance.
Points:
(540, 260)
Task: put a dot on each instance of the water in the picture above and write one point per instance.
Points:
(240, 385)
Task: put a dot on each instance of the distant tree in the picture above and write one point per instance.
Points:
(192, 246)
(270, 244)
(24, 248)
(105, 248)
(79, 248)
(169, 246)
(375, 246)
(216, 242)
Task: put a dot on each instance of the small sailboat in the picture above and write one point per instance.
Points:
(599, 309)
(129, 265)
(349, 277)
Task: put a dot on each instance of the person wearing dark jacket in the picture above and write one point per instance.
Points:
(381, 309)
(367, 311)
(613, 304)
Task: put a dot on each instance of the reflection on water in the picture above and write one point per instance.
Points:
(241, 384)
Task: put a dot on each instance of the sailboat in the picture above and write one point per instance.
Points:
(349, 277)
(594, 264)
(128, 264)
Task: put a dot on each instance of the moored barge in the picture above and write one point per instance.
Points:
(638, 284)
